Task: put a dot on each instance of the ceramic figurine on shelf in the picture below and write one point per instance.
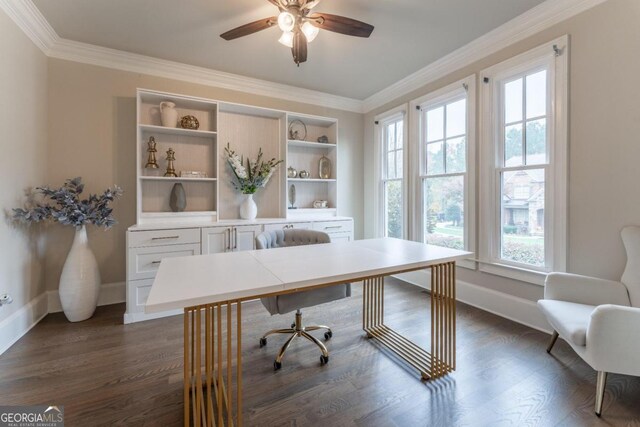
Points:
(151, 161)
(171, 157)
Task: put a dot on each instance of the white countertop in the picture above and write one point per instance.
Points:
(203, 279)
(226, 222)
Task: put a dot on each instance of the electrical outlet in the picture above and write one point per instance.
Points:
(5, 299)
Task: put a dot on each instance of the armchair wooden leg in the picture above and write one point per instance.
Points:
(554, 338)
(600, 386)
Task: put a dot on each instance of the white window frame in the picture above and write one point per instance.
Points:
(381, 121)
(465, 87)
(553, 55)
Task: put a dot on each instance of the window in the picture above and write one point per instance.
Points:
(446, 164)
(524, 163)
(392, 148)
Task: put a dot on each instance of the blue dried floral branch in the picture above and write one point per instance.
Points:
(63, 205)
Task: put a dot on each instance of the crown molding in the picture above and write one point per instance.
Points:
(525, 25)
(95, 55)
(29, 19)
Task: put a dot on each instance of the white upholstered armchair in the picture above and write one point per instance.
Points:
(600, 319)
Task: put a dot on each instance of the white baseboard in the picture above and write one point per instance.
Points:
(110, 293)
(510, 307)
(19, 323)
(140, 317)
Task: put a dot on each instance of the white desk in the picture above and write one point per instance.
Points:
(207, 286)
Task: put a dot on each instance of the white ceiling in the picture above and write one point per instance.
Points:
(408, 35)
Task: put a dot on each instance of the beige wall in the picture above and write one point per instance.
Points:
(92, 133)
(604, 138)
(23, 127)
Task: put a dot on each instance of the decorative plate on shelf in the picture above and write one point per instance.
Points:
(297, 130)
(324, 168)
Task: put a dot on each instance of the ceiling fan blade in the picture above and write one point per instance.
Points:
(311, 4)
(341, 24)
(299, 49)
(253, 27)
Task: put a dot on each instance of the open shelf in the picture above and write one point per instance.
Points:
(311, 211)
(174, 178)
(310, 144)
(178, 131)
(310, 180)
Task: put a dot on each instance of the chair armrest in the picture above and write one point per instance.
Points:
(584, 290)
(613, 339)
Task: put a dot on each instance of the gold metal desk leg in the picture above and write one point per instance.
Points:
(441, 359)
(209, 401)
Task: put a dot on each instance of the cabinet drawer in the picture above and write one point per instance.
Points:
(333, 226)
(179, 236)
(144, 262)
(341, 237)
(288, 225)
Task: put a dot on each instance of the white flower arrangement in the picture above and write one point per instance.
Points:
(255, 175)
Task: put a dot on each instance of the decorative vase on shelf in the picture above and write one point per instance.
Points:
(168, 114)
(80, 280)
(248, 208)
(178, 198)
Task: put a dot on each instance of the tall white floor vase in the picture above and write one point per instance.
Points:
(248, 208)
(80, 280)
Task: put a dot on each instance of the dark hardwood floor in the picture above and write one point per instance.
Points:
(107, 373)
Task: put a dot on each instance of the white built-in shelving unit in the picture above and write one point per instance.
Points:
(196, 150)
(246, 128)
(210, 223)
(305, 155)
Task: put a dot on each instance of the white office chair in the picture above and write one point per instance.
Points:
(600, 319)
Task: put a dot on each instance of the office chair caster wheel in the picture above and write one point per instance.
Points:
(263, 342)
(324, 360)
(277, 366)
(328, 335)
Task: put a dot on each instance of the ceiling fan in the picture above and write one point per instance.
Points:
(300, 26)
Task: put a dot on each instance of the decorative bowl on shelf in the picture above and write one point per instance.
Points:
(292, 172)
(303, 174)
(189, 122)
(323, 139)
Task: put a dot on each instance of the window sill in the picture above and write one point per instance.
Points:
(516, 273)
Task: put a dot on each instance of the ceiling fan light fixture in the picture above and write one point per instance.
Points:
(286, 39)
(286, 21)
(310, 31)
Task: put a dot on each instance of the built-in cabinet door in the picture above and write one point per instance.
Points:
(216, 240)
(244, 237)
(340, 237)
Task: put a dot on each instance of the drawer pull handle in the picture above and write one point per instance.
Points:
(165, 238)
(156, 262)
(333, 227)
(235, 238)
